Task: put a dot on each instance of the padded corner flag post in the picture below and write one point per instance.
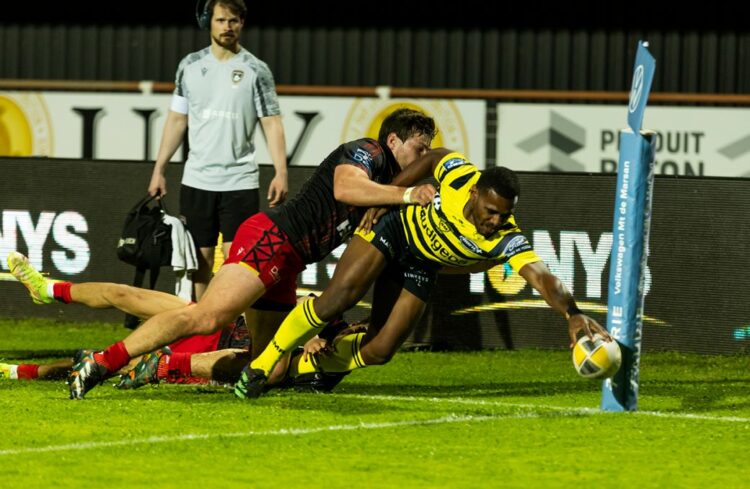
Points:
(630, 229)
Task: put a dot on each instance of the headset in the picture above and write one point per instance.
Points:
(202, 14)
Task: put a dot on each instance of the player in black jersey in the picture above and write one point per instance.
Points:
(469, 227)
(270, 249)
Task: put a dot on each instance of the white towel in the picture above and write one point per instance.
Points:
(184, 259)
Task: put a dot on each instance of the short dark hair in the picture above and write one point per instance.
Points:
(406, 123)
(237, 7)
(503, 181)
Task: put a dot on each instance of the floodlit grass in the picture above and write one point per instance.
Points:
(487, 419)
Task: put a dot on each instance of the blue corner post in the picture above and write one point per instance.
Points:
(630, 230)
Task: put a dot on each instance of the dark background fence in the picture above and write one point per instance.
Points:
(707, 62)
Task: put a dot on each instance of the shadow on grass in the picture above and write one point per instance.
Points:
(695, 397)
(702, 395)
(36, 354)
(695, 383)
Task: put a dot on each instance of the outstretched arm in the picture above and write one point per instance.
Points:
(560, 299)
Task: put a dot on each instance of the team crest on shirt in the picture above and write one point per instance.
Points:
(237, 76)
(443, 226)
(436, 201)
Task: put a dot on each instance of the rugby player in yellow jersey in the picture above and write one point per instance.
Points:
(468, 227)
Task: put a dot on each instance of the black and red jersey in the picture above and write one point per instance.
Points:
(315, 222)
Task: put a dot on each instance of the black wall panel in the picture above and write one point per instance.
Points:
(527, 58)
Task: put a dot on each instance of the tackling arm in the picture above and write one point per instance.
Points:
(352, 185)
(422, 168)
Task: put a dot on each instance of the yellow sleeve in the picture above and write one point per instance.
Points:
(517, 262)
(450, 162)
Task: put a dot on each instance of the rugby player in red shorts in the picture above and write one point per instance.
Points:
(219, 356)
(271, 248)
(142, 303)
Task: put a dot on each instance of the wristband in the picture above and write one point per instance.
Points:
(407, 195)
(572, 311)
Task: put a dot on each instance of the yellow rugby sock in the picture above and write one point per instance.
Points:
(300, 325)
(347, 357)
(300, 366)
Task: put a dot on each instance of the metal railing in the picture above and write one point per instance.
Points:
(392, 92)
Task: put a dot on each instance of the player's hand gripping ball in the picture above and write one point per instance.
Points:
(597, 359)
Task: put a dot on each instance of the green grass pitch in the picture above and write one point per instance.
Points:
(486, 419)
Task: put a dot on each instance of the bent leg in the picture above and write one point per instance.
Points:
(231, 291)
(56, 370)
(379, 344)
(378, 347)
(262, 325)
(35, 371)
(355, 272)
(220, 365)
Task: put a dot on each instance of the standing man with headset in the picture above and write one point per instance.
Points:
(220, 94)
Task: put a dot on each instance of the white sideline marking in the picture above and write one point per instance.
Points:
(370, 426)
(246, 434)
(564, 409)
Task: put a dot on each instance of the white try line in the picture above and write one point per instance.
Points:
(563, 409)
(249, 434)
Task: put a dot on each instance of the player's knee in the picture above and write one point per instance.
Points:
(377, 356)
(118, 293)
(200, 321)
(336, 302)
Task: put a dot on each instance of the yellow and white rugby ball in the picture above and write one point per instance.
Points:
(597, 359)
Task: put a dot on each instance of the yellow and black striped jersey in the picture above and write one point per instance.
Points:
(440, 233)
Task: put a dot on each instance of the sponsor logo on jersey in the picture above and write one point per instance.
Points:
(275, 274)
(219, 114)
(453, 163)
(470, 245)
(419, 278)
(363, 157)
(385, 242)
(516, 246)
(436, 244)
